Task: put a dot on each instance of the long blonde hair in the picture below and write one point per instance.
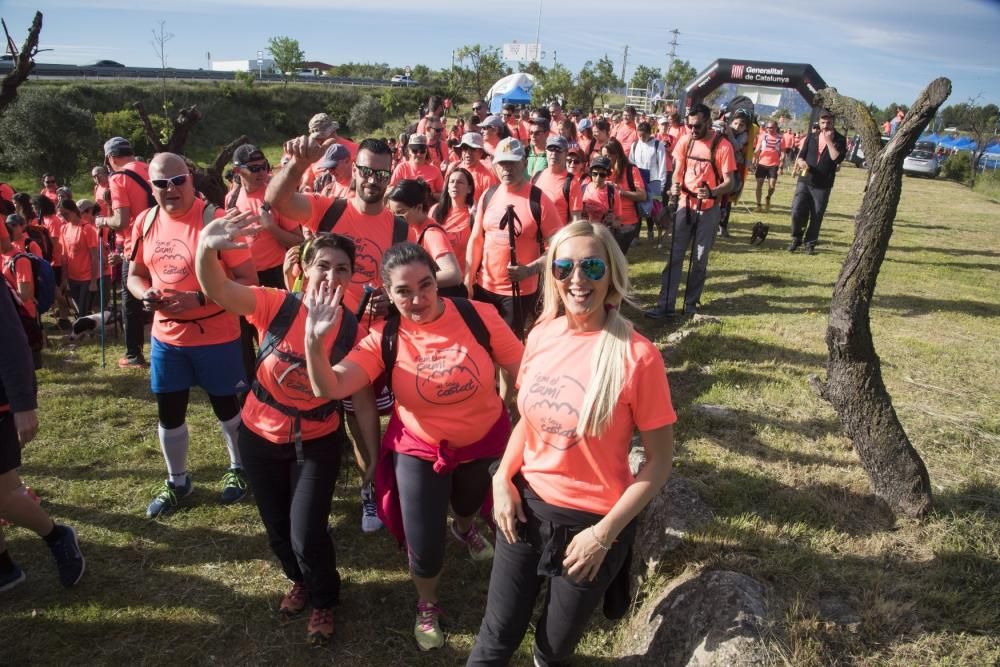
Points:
(608, 359)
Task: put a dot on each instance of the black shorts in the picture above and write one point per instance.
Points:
(766, 172)
(10, 446)
(505, 305)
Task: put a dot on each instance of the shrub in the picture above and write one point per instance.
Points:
(126, 123)
(958, 167)
(366, 115)
(41, 133)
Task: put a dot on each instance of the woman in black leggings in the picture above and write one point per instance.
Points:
(290, 442)
(448, 424)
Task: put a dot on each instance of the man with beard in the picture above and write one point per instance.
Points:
(704, 165)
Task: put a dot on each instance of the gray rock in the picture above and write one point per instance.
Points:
(836, 611)
(705, 319)
(672, 513)
(678, 336)
(709, 618)
(716, 411)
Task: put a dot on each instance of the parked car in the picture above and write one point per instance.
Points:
(403, 79)
(857, 154)
(921, 162)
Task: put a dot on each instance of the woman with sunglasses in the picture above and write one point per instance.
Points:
(565, 500)
(448, 424)
(454, 212)
(417, 165)
(601, 202)
(408, 200)
(629, 186)
(291, 442)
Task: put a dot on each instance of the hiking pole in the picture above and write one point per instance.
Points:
(100, 291)
(512, 224)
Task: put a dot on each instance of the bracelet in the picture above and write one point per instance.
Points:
(593, 534)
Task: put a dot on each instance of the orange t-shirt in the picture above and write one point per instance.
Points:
(78, 241)
(435, 240)
(629, 216)
(588, 473)
(17, 273)
(427, 171)
(372, 236)
(769, 150)
(126, 193)
(443, 379)
(50, 195)
(496, 249)
(626, 134)
(595, 203)
(168, 253)
(458, 227)
(54, 225)
(338, 190)
(287, 382)
(483, 177)
(553, 186)
(787, 141)
(267, 251)
(692, 172)
(103, 207)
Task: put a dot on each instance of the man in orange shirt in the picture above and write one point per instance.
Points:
(704, 165)
(626, 133)
(334, 173)
(437, 147)
(277, 234)
(130, 195)
(471, 150)
(102, 193)
(511, 121)
(194, 341)
(767, 158)
(324, 129)
(50, 188)
(557, 183)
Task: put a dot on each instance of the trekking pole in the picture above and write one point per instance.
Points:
(512, 224)
(100, 291)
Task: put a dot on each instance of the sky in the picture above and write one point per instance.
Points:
(874, 50)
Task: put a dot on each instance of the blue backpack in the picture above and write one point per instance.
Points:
(44, 279)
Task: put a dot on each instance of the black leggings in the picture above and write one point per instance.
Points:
(171, 407)
(424, 496)
(294, 504)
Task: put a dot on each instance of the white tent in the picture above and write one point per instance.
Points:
(514, 88)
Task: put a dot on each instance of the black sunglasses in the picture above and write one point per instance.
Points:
(573, 160)
(257, 168)
(597, 172)
(381, 175)
(164, 183)
(592, 268)
(418, 149)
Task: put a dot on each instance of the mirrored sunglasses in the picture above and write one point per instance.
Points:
(592, 268)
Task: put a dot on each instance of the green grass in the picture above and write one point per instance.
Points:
(792, 506)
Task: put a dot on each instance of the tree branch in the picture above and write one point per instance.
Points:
(151, 136)
(23, 62)
(186, 118)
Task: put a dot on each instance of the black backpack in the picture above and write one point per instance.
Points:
(566, 187)
(43, 238)
(276, 332)
(32, 330)
(534, 203)
(390, 334)
(400, 229)
(454, 290)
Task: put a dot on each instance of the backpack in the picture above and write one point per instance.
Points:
(43, 277)
(150, 200)
(207, 216)
(567, 182)
(43, 238)
(32, 330)
(534, 203)
(400, 230)
(390, 334)
(454, 290)
(276, 332)
(630, 179)
(742, 102)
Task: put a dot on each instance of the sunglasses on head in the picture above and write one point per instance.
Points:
(164, 183)
(381, 175)
(592, 268)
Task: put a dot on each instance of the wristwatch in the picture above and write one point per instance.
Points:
(265, 207)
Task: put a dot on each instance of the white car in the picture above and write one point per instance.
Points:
(921, 162)
(402, 78)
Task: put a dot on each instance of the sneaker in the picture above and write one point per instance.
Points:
(69, 560)
(168, 497)
(294, 601)
(427, 629)
(758, 209)
(810, 248)
(724, 232)
(234, 486)
(658, 313)
(132, 362)
(479, 548)
(369, 516)
(320, 628)
(794, 245)
(11, 579)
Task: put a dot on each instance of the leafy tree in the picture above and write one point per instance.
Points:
(485, 66)
(980, 122)
(30, 144)
(606, 76)
(678, 76)
(556, 82)
(644, 76)
(126, 123)
(367, 115)
(245, 79)
(287, 55)
(534, 68)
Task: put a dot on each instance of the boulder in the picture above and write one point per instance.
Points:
(708, 618)
(672, 513)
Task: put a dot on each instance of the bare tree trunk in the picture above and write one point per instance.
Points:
(23, 62)
(854, 383)
(182, 125)
(209, 181)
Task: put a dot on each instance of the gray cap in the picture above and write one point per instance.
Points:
(472, 140)
(117, 147)
(508, 150)
(584, 124)
(492, 121)
(417, 140)
(334, 155)
(321, 123)
(557, 141)
(247, 153)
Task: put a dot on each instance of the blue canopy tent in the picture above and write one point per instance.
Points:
(931, 137)
(512, 89)
(964, 144)
(949, 142)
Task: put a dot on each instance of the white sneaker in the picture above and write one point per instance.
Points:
(370, 522)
